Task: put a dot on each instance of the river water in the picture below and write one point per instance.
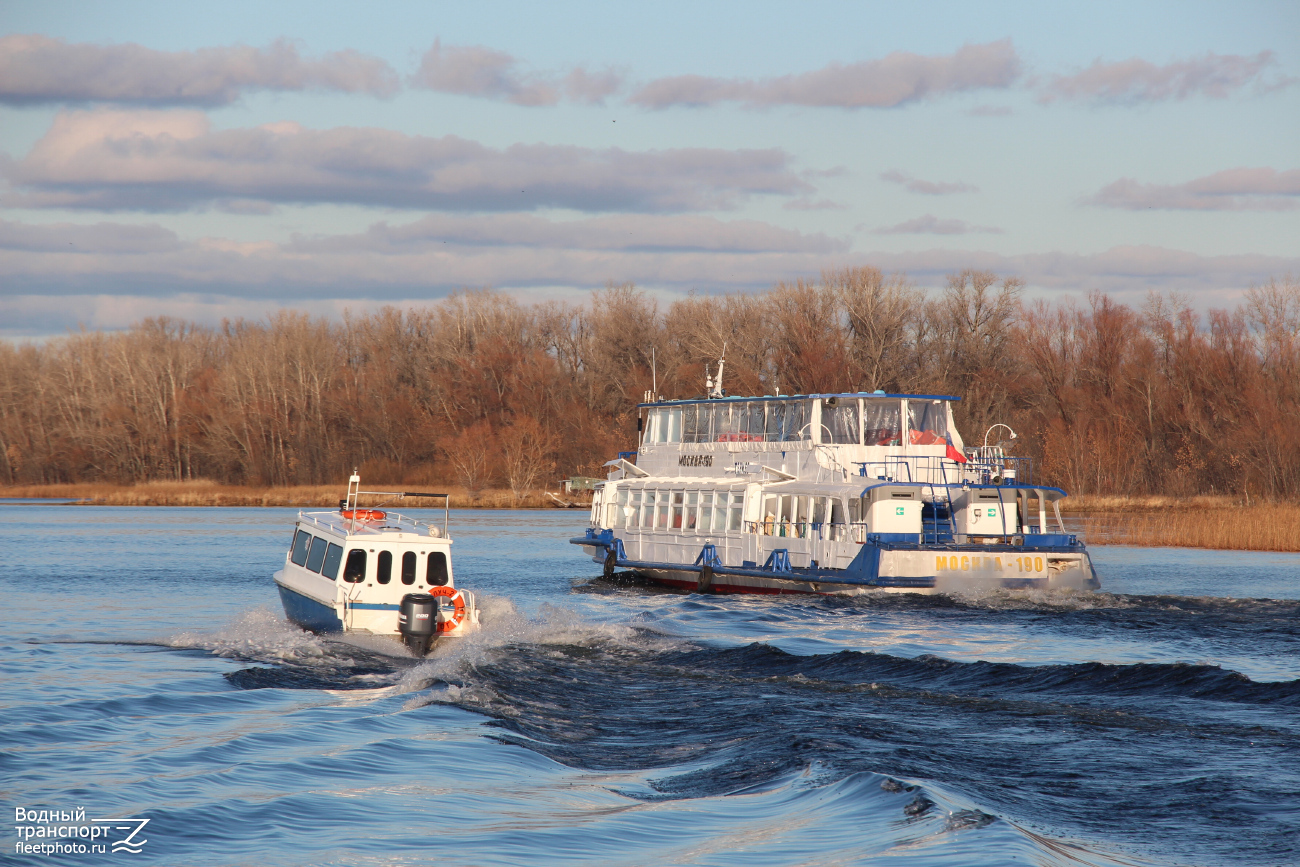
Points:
(148, 673)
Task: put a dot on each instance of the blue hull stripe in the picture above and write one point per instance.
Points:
(308, 613)
(374, 606)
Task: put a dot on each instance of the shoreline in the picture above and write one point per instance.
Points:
(1213, 523)
(211, 494)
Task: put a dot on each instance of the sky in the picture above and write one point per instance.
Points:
(223, 161)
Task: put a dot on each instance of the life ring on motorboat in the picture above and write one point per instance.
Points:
(364, 514)
(458, 599)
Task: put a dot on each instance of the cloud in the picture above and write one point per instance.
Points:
(1242, 189)
(932, 225)
(1216, 76)
(991, 111)
(97, 238)
(518, 253)
(928, 188)
(632, 233)
(36, 69)
(896, 79)
(479, 71)
(807, 204)
(161, 161)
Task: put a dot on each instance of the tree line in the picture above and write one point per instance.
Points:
(481, 390)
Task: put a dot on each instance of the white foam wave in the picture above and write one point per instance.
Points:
(256, 634)
(504, 625)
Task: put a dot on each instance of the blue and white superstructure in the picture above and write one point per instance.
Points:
(351, 569)
(826, 493)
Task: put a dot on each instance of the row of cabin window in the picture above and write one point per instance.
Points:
(685, 511)
(321, 556)
(873, 422)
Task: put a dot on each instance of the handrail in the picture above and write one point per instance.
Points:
(350, 527)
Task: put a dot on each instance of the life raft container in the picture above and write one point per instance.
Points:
(364, 515)
(458, 615)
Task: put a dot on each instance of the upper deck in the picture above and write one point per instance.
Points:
(811, 437)
(393, 527)
(773, 423)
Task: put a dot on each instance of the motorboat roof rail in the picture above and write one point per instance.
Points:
(348, 507)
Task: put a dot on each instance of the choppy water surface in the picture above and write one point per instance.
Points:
(149, 673)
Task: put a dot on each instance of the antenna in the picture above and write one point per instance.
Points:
(715, 391)
(654, 376)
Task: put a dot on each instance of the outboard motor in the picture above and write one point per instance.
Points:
(418, 621)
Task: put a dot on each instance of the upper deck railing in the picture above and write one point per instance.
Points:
(984, 466)
(392, 522)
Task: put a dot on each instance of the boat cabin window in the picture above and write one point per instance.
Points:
(437, 571)
(316, 556)
(665, 426)
(384, 570)
(882, 422)
(679, 498)
(928, 421)
(740, 421)
(840, 421)
(408, 567)
(354, 571)
(692, 505)
(332, 560)
(301, 542)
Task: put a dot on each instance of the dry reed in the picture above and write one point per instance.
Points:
(1225, 523)
(201, 492)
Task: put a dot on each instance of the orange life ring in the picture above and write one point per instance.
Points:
(364, 514)
(458, 617)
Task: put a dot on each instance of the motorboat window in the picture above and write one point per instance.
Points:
(301, 544)
(678, 497)
(882, 423)
(436, 574)
(384, 568)
(840, 422)
(316, 556)
(408, 567)
(737, 511)
(333, 558)
(927, 421)
(661, 511)
(692, 505)
(648, 510)
(354, 571)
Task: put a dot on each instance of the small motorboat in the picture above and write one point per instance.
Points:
(377, 571)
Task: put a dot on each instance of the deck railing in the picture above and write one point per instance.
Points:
(392, 521)
(820, 531)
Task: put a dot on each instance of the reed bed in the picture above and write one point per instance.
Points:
(1225, 523)
(208, 493)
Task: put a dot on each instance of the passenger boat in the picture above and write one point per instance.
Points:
(826, 493)
(374, 571)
